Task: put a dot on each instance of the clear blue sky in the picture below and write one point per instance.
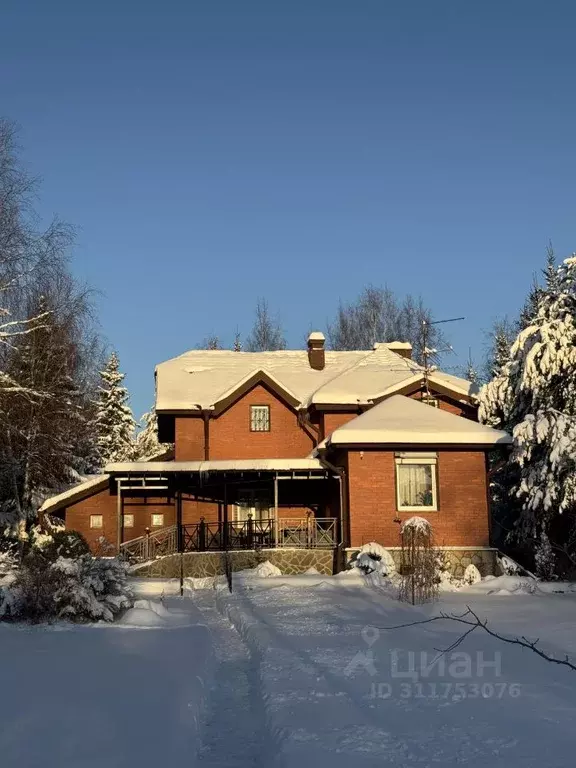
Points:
(211, 152)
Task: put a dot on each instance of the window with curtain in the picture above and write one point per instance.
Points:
(416, 483)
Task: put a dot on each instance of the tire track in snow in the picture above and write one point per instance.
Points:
(235, 732)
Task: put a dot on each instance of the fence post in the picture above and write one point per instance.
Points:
(147, 544)
(250, 532)
(202, 535)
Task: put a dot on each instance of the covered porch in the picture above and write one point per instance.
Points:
(232, 505)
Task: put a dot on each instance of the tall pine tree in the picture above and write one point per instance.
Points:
(115, 423)
(534, 396)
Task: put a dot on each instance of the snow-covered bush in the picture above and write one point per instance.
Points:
(65, 544)
(508, 566)
(374, 558)
(419, 561)
(92, 588)
(472, 575)
(79, 589)
(416, 524)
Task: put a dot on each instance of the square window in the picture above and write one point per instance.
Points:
(260, 418)
(96, 521)
(416, 484)
(129, 521)
(157, 520)
(428, 400)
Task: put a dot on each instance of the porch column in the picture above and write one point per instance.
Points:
(276, 509)
(119, 510)
(180, 537)
(225, 516)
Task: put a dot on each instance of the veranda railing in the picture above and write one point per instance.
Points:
(306, 533)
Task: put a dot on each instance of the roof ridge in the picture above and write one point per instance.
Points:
(340, 373)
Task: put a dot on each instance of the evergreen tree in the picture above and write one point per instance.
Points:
(115, 423)
(500, 339)
(266, 333)
(147, 439)
(237, 343)
(534, 396)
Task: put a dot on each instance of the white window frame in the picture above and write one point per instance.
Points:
(93, 519)
(430, 460)
(128, 520)
(434, 402)
(253, 418)
(154, 516)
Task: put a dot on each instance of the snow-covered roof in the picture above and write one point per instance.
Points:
(400, 420)
(75, 493)
(233, 465)
(200, 379)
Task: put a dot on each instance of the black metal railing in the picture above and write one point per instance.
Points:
(218, 537)
(303, 533)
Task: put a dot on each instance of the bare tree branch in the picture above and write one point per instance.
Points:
(476, 623)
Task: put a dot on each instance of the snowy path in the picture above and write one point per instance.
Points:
(233, 734)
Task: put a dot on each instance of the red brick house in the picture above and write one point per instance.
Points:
(289, 449)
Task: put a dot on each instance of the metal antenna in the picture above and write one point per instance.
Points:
(426, 352)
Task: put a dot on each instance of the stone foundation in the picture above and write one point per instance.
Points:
(457, 559)
(201, 564)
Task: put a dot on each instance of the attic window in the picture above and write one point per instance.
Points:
(429, 400)
(416, 485)
(260, 418)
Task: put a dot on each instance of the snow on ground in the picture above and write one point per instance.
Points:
(340, 689)
(113, 696)
(294, 671)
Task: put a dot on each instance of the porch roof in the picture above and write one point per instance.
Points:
(232, 465)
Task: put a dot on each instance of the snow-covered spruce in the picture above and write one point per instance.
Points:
(534, 396)
(77, 589)
(147, 439)
(115, 423)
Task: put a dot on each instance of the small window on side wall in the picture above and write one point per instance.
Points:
(429, 400)
(157, 520)
(129, 521)
(260, 418)
(96, 521)
(416, 484)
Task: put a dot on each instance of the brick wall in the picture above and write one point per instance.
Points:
(103, 503)
(462, 517)
(333, 420)
(230, 435)
(231, 438)
(189, 438)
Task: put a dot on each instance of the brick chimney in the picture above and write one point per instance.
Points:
(402, 348)
(316, 355)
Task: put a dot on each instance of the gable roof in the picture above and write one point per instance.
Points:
(400, 420)
(200, 379)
